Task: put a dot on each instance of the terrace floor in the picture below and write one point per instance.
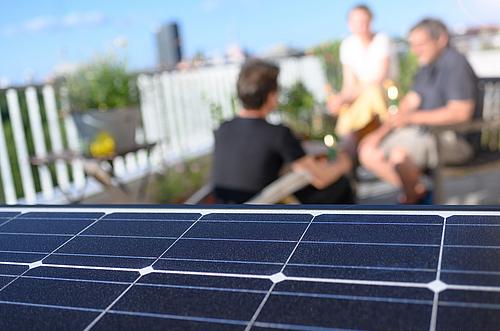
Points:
(476, 189)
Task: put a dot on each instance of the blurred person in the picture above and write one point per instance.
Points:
(367, 63)
(249, 152)
(444, 92)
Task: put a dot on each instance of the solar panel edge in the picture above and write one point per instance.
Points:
(280, 278)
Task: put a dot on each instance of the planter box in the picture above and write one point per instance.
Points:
(120, 124)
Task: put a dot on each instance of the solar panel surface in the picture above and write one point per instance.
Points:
(237, 269)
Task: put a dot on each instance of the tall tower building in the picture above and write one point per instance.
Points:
(169, 46)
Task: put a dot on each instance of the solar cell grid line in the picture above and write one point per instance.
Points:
(312, 236)
(237, 243)
(231, 235)
(6, 217)
(279, 277)
(142, 272)
(437, 285)
(477, 240)
(352, 246)
(339, 274)
(34, 264)
(137, 244)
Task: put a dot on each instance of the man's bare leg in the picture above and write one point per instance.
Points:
(373, 158)
(409, 174)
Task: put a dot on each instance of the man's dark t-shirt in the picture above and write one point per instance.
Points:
(448, 78)
(249, 154)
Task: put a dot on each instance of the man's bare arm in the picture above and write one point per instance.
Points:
(323, 173)
(410, 102)
(455, 112)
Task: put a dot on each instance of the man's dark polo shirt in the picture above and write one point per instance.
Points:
(450, 77)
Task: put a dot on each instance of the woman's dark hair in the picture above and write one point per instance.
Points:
(256, 80)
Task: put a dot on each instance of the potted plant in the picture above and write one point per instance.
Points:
(104, 105)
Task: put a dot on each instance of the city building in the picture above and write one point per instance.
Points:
(479, 38)
(169, 46)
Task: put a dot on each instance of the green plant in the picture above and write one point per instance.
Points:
(408, 66)
(217, 111)
(329, 52)
(182, 180)
(101, 84)
(297, 101)
(297, 106)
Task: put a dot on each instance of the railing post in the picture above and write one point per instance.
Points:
(173, 136)
(55, 136)
(21, 147)
(39, 142)
(9, 188)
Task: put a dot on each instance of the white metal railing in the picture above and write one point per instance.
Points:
(176, 113)
(48, 189)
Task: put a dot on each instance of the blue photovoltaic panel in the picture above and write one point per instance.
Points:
(166, 269)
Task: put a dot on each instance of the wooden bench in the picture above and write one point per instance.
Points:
(488, 156)
(93, 167)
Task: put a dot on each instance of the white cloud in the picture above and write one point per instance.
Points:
(79, 19)
(209, 6)
(120, 42)
(8, 31)
(44, 23)
(39, 24)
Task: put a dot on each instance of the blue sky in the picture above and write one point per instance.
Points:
(37, 35)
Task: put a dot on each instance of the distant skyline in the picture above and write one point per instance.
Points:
(38, 36)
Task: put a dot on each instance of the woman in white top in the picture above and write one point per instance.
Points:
(366, 65)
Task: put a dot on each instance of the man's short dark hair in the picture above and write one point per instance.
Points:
(434, 27)
(364, 8)
(256, 80)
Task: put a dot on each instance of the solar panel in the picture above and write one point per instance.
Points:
(101, 268)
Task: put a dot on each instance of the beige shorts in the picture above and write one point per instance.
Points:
(421, 146)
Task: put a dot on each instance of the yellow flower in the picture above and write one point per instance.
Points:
(103, 145)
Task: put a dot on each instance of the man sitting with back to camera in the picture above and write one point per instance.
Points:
(250, 152)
